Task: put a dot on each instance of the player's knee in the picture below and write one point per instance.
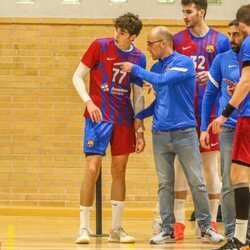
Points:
(118, 173)
(214, 189)
(93, 173)
(213, 185)
(237, 178)
(209, 170)
(238, 174)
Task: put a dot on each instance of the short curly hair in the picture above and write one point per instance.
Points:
(129, 22)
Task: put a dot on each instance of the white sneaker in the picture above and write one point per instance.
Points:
(212, 236)
(120, 236)
(83, 237)
(162, 238)
(198, 231)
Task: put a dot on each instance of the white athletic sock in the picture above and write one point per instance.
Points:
(179, 210)
(214, 205)
(117, 212)
(240, 230)
(84, 216)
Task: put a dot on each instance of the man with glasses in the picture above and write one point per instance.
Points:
(201, 43)
(109, 118)
(174, 131)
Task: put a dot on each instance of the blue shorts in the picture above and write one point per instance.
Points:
(98, 135)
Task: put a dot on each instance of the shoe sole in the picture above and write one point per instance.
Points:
(206, 240)
(121, 241)
(117, 241)
(82, 242)
(162, 242)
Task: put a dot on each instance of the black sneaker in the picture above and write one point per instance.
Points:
(233, 244)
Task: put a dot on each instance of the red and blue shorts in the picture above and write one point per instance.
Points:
(98, 135)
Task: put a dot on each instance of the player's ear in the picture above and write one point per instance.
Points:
(202, 12)
(167, 42)
(132, 37)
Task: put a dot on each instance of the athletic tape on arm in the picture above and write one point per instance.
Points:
(81, 71)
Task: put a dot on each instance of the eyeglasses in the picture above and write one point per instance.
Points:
(149, 44)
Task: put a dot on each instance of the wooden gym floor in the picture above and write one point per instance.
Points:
(59, 233)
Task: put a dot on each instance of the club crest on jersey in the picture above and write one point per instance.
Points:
(90, 143)
(105, 87)
(210, 48)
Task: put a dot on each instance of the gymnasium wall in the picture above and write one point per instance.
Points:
(41, 115)
(147, 9)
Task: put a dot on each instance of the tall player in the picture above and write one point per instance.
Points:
(202, 44)
(109, 118)
(241, 148)
(224, 67)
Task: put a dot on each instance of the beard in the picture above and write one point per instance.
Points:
(235, 47)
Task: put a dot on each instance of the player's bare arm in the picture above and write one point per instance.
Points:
(138, 103)
(242, 89)
(148, 86)
(138, 124)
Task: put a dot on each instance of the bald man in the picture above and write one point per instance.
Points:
(174, 131)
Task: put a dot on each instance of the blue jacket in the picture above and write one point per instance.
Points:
(225, 66)
(173, 80)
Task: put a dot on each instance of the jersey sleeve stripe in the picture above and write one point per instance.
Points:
(215, 83)
(179, 69)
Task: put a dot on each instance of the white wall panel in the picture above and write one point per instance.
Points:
(147, 9)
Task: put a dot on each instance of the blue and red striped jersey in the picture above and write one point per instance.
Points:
(109, 87)
(202, 50)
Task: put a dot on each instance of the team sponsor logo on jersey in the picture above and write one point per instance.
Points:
(117, 91)
(104, 87)
(90, 143)
(210, 48)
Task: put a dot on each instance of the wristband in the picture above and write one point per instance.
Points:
(229, 109)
